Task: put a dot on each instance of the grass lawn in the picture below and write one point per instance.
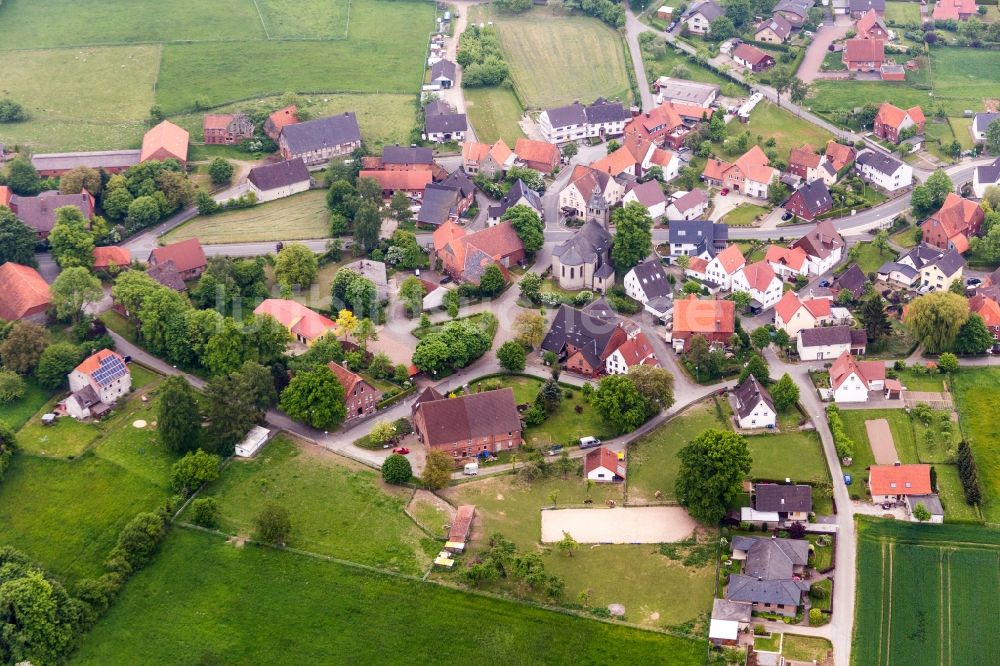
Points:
(298, 217)
(555, 60)
(908, 237)
(322, 612)
(663, 64)
(833, 62)
(961, 128)
(494, 114)
(653, 583)
(902, 12)
(751, 257)
(870, 259)
(823, 604)
(564, 426)
(949, 487)
(337, 507)
(823, 558)
(976, 397)
(767, 644)
(771, 455)
(921, 382)
(484, 320)
(899, 425)
(75, 110)
(309, 18)
(653, 462)
(744, 215)
(142, 376)
(788, 130)
(805, 648)
(17, 413)
(66, 438)
(120, 325)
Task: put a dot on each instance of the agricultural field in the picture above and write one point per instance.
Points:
(943, 618)
(494, 114)
(299, 217)
(321, 612)
(337, 507)
(976, 397)
(294, 18)
(769, 121)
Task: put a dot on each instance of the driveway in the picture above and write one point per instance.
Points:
(826, 35)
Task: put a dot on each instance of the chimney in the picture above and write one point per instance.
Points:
(782, 501)
(896, 464)
(788, 480)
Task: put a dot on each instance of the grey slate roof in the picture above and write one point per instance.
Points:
(443, 69)
(322, 133)
(931, 502)
(772, 559)
(407, 155)
(704, 234)
(783, 497)
(905, 269)
(949, 261)
(709, 9)
(724, 609)
(459, 181)
(798, 7)
(514, 194)
(652, 278)
(102, 159)
(879, 161)
(585, 246)
(784, 592)
(980, 122)
(989, 173)
(823, 240)
(748, 395)
(600, 309)
(280, 174)
(778, 24)
(587, 332)
(444, 123)
(832, 335)
(438, 204)
(564, 116)
(815, 196)
(166, 273)
(853, 280)
(864, 5)
(603, 111)
(437, 107)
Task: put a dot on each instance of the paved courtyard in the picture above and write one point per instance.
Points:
(637, 524)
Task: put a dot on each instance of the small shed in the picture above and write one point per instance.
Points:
(893, 389)
(665, 13)
(724, 632)
(252, 443)
(462, 524)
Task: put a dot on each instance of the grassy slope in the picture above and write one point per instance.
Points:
(494, 114)
(337, 508)
(321, 612)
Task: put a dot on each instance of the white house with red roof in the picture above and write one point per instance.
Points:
(787, 262)
(96, 384)
(749, 174)
(890, 483)
(851, 380)
(603, 465)
(302, 323)
(761, 282)
(792, 314)
(725, 265)
(634, 351)
(824, 247)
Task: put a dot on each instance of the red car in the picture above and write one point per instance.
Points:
(725, 191)
(402, 450)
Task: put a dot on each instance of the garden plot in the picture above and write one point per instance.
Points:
(638, 524)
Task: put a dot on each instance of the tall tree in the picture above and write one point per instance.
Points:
(511, 356)
(72, 245)
(411, 294)
(655, 384)
(528, 225)
(757, 367)
(23, 346)
(17, 240)
(316, 398)
(221, 171)
(927, 198)
(936, 318)
(491, 282)
(163, 324)
(529, 328)
(633, 236)
(367, 225)
(230, 412)
(784, 393)
(973, 337)
(365, 331)
(73, 290)
(781, 81)
(799, 90)
(80, 178)
(619, 402)
(22, 177)
(713, 467)
(295, 266)
(400, 207)
(55, 364)
(179, 418)
(873, 315)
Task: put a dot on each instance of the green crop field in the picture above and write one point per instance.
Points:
(976, 395)
(337, 507)
(305, 18)
(494, 114)
(926, 594)
(323, 612)
(298, 217)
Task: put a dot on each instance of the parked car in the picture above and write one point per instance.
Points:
(673, 24)
(973, 282)
(824, 283)
(725, 191)
(589, 442)
(446, 279)
(555, 450)
(401, 450)
(786, 216)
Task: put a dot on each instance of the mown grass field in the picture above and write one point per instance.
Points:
(337, 507)
(555, 60)
(17, 413)
(789, 131)
(903, 12)
(494, 114)
(744, 215)
(305, 18)
(323, 612)
(926, 594)
(298, 217)
(976, 395)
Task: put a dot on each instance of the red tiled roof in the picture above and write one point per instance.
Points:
(787, 306)
(346, 378)
(759, 275)
(5, 196)
(957, 215)
(93, 362)
(186, 255)
(846, 365)
(987, 309)
(716, 169)
(697, 264)
(537, 151)
(636, 350)
(953, 10)
(284, 117)
(500, 151)
(894, 116)
(749, 53)
(753, 164)
(864, 50)
(217, 121)
(462, 523)
(24, 291)
(413, 181)
(819, 307)
(601, 457)
(869, 21)
(296, 317)
(792, 257)
(474, 152)
(839, 154)
(900, 479)
(112, 254)
(804, 155)
(731, 259)
(165, 138)
(616, 163)
(692, 315)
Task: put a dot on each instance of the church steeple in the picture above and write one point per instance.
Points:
(597, 207)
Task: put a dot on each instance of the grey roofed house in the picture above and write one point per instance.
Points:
(980, 123)
(652, 279)
(438, 204)
(374, 271)
(778, 24)
(772, 559)
(166, 273)
(39, 212)
(469, 417)
(823, 240)
(815, 196)
(749, 394)
(514, 194)
(879, 161)
(863, 6)
(314, 135)
(783, 497)
(949, 261)
(798, 7)
(443, 69)
(709, 9)
(989, 173)
(782, 592)
(565, 116)
(407, 155)
(703, 234)
(437, 107)
(446, 123)
(585, 331)
(459, 181)
(693, 199)
(736, 611)
(648, 194)
(853, 280)
(585, 246)
(603, 111)
(689, 92)
(602, 309)
(833, 335)
(895, 267)
(279, 174)
(101, 159)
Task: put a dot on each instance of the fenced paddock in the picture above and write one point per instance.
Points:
(636, 524)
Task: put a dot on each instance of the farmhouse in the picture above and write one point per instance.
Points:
(792, 502)
(891, 483)
(793, 314)
(519, 194)
(280, 119)
(302, 323)
(602, 465)
(167, 275)
(892, 120)
(647, 281)
(884, 171)
(951, 227)
(96, 384)
(794, 11)
(817, 344)
(700, 16)
(851, 380)
(687, 205)
(771, 578)
(685, 92)
(753, 405)
(486, 159)
(53, 165)
(538, 155)
(649, 195)
(749, 174)
(583, 184)
(871, 26)
(466, 256)
(760, 282)
(403, 158)
(583, 261)
(714, 320)
(633, 352)
(858, 8)
(164, 142)
(360, 397)
(39, 212)
(111, 255)
(226, 128)
(410, 183)
(824, 246)
(810, 201)
(317, 141)
(278, 180)
(697, 238)
(26, 294)
(467, 424)
(787, 262)
(775, 30)
(987, 175)
(981, 122)
(187, 257)
(752, 58)
(954, 10)
(864, 55)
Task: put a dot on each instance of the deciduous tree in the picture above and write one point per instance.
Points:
(528, 225)
(655, 384)
(74, 289)
(437, 470)
(633, 236)
(194, 469)
(396, 470)
(784, 393)
(17, 240)
(529, 329)
(713, 467)
(619, 402)
(316, 398)
(491, 282)
(511, 356)
(55, 364)
(178, 421)
(221, 171)
(80, 178)
(936, 318)
(23, 346)
(295, 265)
(72, 245)
(273, 524)
(973, 337)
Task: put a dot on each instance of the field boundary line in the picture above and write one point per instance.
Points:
(950, 660)
(942, 597)
(263, 24)
(347, 23)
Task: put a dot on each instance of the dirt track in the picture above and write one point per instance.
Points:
(637, 524)
(881, 440)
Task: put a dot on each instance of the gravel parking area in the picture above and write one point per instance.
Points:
(639, 524)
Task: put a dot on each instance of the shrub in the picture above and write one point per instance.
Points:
(533, 416)
(11, 386)
(815, 617)
(136, 542)
(205, 512)
(273, 524)
(396, 470)
(194, 469)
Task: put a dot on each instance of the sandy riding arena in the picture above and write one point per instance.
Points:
(880, 437)
(639, 524)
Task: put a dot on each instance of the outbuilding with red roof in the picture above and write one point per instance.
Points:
(26, 294)
(602, 465)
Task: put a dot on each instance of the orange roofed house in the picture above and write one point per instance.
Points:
(954, 10)
(951, 227)
(989, 311)
(165, 141)
(538, 155)
(112, 255)
(305, 325)
(466, 425)
(871, 26)
(892, 120)
(749, 174)
(280, 119)
(890, 483)
(486, 159)
(410, 183)
(360, 397)
(187, 257)
(465, 256)
(864, 55)
(712, 319)
(226, 128)
(667, 124)
(26, 295)
(96, 384)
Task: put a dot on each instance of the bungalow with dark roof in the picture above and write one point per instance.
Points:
(26, 294)
(858, 8)
(853, 280)
(466, 425)
(444, 73)
(318, 141)
(792, 502)
(278, 180)
(772, 570)
(981, 122)
(444, 127)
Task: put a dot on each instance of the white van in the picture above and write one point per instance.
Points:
(471, 469)
(589, 442)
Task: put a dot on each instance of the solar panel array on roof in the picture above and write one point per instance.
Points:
(111, 369)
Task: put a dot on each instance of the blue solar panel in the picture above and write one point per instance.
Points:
(111, 369)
